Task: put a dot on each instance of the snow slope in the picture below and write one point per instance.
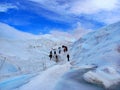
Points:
(8, 32)
(100, 48)
(25, 52)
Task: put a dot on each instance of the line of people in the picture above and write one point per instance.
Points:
(53, 53)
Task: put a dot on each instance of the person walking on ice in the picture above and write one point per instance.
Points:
(50, 55)
(54, 51)
(65, 49)
(56, 57)
(59, 50)
(68, 57)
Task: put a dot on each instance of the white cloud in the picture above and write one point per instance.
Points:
(54, 5)
(70, 9)
(109, 17)
(5, 7)
(59, 33)
(79, 31)
(75, 33)
(106, 4)
(106, 17)
(93, 6)
(78, 6)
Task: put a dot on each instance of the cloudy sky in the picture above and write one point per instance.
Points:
(50, 16)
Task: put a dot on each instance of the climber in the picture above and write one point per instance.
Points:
(54, 52)
(59, 48)
(65, 49)
(50, 55)
(68, 57)
(56, 56)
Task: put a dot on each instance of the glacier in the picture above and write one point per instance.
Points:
(94, 61)
(100, 48)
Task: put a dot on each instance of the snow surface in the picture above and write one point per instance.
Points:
(73, 80)
(7, 68)
(15, 82)
(47, 79)
(58, 78)
(108, 76)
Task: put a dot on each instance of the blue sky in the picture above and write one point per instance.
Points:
(45, 16)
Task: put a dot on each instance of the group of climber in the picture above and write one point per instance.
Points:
(54, 52)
